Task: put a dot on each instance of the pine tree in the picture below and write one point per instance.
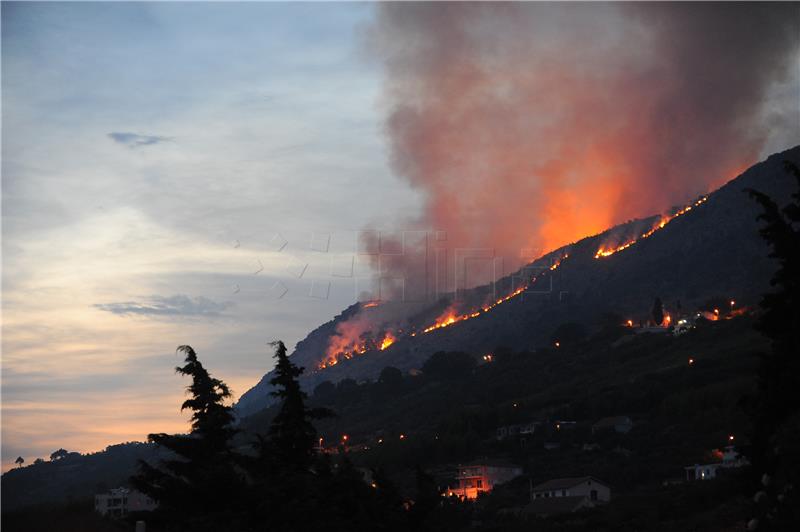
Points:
(775, 469)
(196, 487)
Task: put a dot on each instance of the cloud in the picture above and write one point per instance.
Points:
(134, 140)
(177, 305)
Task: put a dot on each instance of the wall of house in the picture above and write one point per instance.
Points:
(585, 489)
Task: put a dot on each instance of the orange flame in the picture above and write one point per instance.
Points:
(345, 344)
(607, 251)
(388, 340)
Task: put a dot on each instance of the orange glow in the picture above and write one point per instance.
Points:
(691, 361)
(402, 436)
(388, 340)
(370, 304)
(606, 251)
(348, 340)
(558, 344)
(629, 323)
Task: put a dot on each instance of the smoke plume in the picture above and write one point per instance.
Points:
(527, 126)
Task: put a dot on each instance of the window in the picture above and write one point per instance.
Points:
(593, 495)
(563, 493)
(480, 483)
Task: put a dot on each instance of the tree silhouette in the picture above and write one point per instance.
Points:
(658, 311)
(288, 481)
(197, 486)
(58, 455)
(775, 468)
(19, 461)
(291, 434)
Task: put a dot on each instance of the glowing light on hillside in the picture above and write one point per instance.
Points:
(606, 251)
(691, 361)
(629, 323)
(344, 349)
(388, 340)
(488, 358)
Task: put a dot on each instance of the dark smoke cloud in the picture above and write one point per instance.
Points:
(528, 125)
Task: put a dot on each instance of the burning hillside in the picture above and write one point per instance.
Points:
(710, 249)
(359, 335)
(608, 250)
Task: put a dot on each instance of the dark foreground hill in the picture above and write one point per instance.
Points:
(712, 251)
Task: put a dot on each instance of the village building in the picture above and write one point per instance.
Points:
(482, 476)
(596, 491)
(730, 458)
(522, 429)
(119, 502)
(619, 424)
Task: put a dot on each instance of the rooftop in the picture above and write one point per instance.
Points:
(564, 483)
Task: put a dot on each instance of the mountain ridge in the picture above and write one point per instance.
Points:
(711, 250)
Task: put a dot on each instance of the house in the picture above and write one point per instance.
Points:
(557, 505)
(523, 429)
(596, 491)
(119, 502)
(619, 424)
(730, 459)
(702, 472)
(482, 476)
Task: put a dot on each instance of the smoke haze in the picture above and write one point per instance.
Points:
(528, 126)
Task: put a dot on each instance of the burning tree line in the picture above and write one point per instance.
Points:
(345, 345)
(278, 481)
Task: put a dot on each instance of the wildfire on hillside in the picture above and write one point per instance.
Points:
(606, 251)
(354, 338)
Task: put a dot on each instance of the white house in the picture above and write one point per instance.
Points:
(522, 429)
(594, 490)
(730, 459)
(119, 502)
(702, 471)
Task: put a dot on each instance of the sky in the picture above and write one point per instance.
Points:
(175, 174)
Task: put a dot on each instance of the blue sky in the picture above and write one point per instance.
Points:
(175, 173)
